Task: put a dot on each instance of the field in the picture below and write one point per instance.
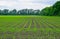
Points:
(29, 27)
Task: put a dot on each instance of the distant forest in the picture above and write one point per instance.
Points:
(48, 11)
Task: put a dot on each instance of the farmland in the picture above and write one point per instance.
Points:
(29, 27)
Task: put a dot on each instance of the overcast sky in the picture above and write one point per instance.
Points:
(23, 4)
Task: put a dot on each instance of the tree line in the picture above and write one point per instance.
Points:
(19, 12)
(48, 11)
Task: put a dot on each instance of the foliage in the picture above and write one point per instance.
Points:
(19, 12)
(52, 10)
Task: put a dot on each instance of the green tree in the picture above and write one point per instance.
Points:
(57, 8)
(0, 12)
(13, 12)
(5, 11)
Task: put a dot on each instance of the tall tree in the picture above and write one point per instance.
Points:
(57, 8)
(5, 12)
(0, 12)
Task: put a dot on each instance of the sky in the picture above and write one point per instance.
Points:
(23, 4)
